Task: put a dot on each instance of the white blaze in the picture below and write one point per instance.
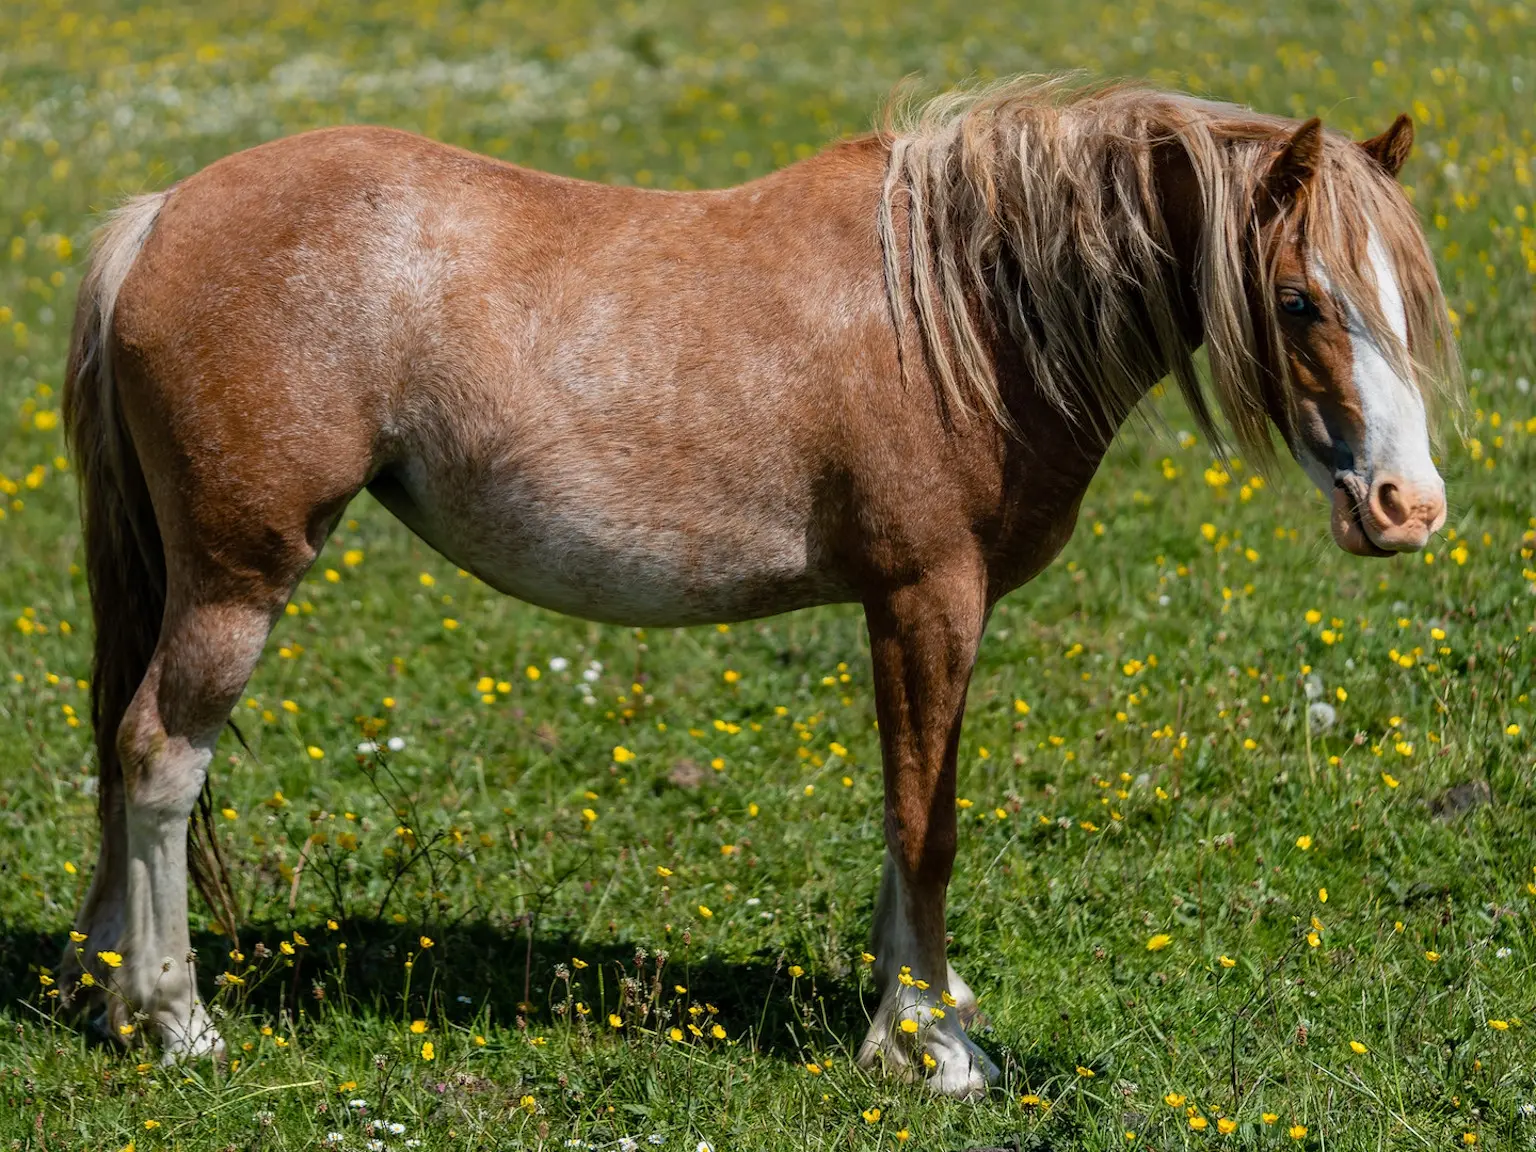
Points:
(1396, 432)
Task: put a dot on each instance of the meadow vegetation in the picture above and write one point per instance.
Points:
(1248, 828)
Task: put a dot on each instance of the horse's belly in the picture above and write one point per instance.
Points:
(624, 560)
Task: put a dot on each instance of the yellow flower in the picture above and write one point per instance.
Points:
(1499, 1025)
(1358, 1048)
(1322, 895)
(1469, 1137)
(909, 1027)
(903, 1135)
(663, 871)
(1512, 730)
(676, 1034)
(1159, 942)
(418, 1026)
(229, 814)
(1432, 957)
(528, 1104)
(125, 1029)
(1304, 842)
(111, 959)
(427, 941)
(1389, 780)
(578, 963)
(867, 957)
(731, 676)
(315, 753)
(151, 1125)
(871, 1115)
(1086, 1073)
(1226, 961)
(1225, 1125)
(77, 937)
(615, 1020)
(1199, 1123)
(813, 1068)
(428, 1052)
(1298, 1131)
(705, 912)
(796, 971)
(622, 755)
(1269, 1117)
(717, 1032)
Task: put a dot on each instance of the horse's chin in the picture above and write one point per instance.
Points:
(1349, 530)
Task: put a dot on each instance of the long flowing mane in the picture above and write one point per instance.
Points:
(1030, 205)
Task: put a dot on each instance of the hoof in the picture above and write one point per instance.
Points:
(936, 1052)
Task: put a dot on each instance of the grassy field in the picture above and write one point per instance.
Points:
(611, 887)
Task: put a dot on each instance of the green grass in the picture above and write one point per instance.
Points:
(1136, 797)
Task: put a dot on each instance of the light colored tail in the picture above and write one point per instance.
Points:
(124, 556)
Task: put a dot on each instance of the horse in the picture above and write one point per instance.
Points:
(883, 375)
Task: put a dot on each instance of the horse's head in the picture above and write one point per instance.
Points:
(1346, 302)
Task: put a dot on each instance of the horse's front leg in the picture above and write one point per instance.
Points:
(923, 639)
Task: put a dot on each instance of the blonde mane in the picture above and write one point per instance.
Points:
(1030, 205)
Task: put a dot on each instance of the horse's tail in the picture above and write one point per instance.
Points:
(124, 555)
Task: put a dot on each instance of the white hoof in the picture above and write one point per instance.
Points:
(918, 1039)
(190, 1040)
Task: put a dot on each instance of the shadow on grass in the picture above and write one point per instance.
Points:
(481, 970)
(478, 972)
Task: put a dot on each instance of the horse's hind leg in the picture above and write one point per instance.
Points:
(206, 653)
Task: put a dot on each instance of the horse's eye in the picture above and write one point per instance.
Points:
(1296, 303)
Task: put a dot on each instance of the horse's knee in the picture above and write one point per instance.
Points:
(162, 773)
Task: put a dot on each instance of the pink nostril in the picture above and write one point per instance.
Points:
(1401, 516)
(1390, 508)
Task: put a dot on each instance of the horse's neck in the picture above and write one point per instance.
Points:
(1080, 443)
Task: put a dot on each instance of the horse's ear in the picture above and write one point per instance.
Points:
(1294, 166)
(1390, 149)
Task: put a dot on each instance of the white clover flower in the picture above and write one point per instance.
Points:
(367, 748)
(333, 1138)
(628, 1144)
(558, 663)
(656, 1138)
(1503, 953)
(396, 743)
(358, 1104)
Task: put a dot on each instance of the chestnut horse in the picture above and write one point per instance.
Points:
(884, 376)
